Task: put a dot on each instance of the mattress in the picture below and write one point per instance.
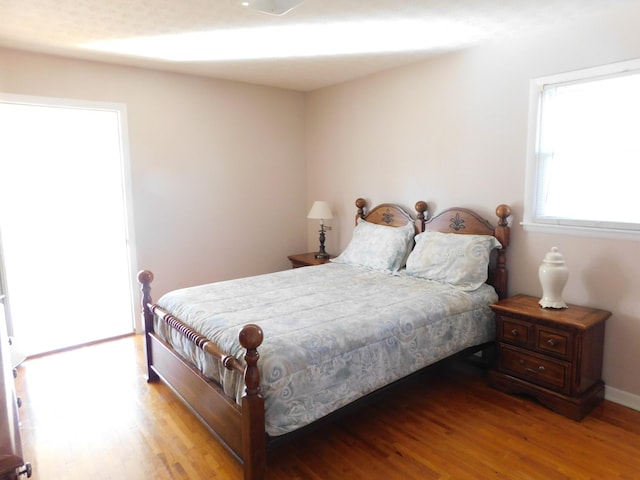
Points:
(332, 333)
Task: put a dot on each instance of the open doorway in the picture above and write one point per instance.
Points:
(65, 226)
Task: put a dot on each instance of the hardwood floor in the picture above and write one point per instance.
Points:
(89, 414)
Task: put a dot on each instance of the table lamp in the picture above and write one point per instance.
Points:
(321, 211)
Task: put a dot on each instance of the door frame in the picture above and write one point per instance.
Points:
(121, 110)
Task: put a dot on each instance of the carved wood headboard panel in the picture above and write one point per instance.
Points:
(391, 214)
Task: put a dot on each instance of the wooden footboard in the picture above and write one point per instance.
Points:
(241, 429)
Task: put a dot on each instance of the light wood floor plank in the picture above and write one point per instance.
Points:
(89, 414)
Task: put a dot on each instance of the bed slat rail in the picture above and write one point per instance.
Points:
(203, 343)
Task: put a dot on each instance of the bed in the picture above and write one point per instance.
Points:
(260, 359)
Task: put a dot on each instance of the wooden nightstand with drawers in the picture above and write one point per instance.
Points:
(554, 355)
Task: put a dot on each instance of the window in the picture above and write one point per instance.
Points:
(584, 155)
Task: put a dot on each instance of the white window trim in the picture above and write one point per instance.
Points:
(535, 88)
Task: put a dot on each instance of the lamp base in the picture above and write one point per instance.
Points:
(322, 254)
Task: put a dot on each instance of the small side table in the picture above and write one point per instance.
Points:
(307, 260)
(552, 355)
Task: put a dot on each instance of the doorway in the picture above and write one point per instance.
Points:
(65, 227)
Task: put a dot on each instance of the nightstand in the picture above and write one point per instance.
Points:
(552, 355)
(307, 260)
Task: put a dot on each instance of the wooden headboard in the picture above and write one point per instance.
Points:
(391, 214)
(453, 220)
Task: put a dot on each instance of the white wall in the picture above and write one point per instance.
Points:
(453, 132)
(217, 167)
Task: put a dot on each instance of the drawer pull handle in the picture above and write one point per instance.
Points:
(514, 332)
(551, 342)
(540, 368)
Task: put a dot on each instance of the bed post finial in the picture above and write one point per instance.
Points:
(145, 277)
(502, 233)
(502, 230)
(421, 208)
(503, 212)
(253, 428)
(361, 203)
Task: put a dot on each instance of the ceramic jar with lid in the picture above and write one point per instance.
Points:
(553, 274)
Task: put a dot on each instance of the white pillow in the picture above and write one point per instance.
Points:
(379, 247)
(457, 259)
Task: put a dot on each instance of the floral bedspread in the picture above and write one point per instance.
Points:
(332, 333)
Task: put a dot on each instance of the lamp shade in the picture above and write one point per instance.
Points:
(320, 210)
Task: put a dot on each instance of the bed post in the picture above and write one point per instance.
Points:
(254, 437)
(421, 208)
(145, 277)
(502, 234)
(360, 204)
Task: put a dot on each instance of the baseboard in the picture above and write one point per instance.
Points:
(623, 398)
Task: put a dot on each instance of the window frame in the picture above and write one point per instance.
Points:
(568, 227)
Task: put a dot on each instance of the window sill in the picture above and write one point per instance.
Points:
(609, 233)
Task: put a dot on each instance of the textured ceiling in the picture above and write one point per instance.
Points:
(61, 26)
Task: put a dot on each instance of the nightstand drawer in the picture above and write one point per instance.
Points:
(514, 330)
(535, 369)
(553, 341)
(298, 264)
